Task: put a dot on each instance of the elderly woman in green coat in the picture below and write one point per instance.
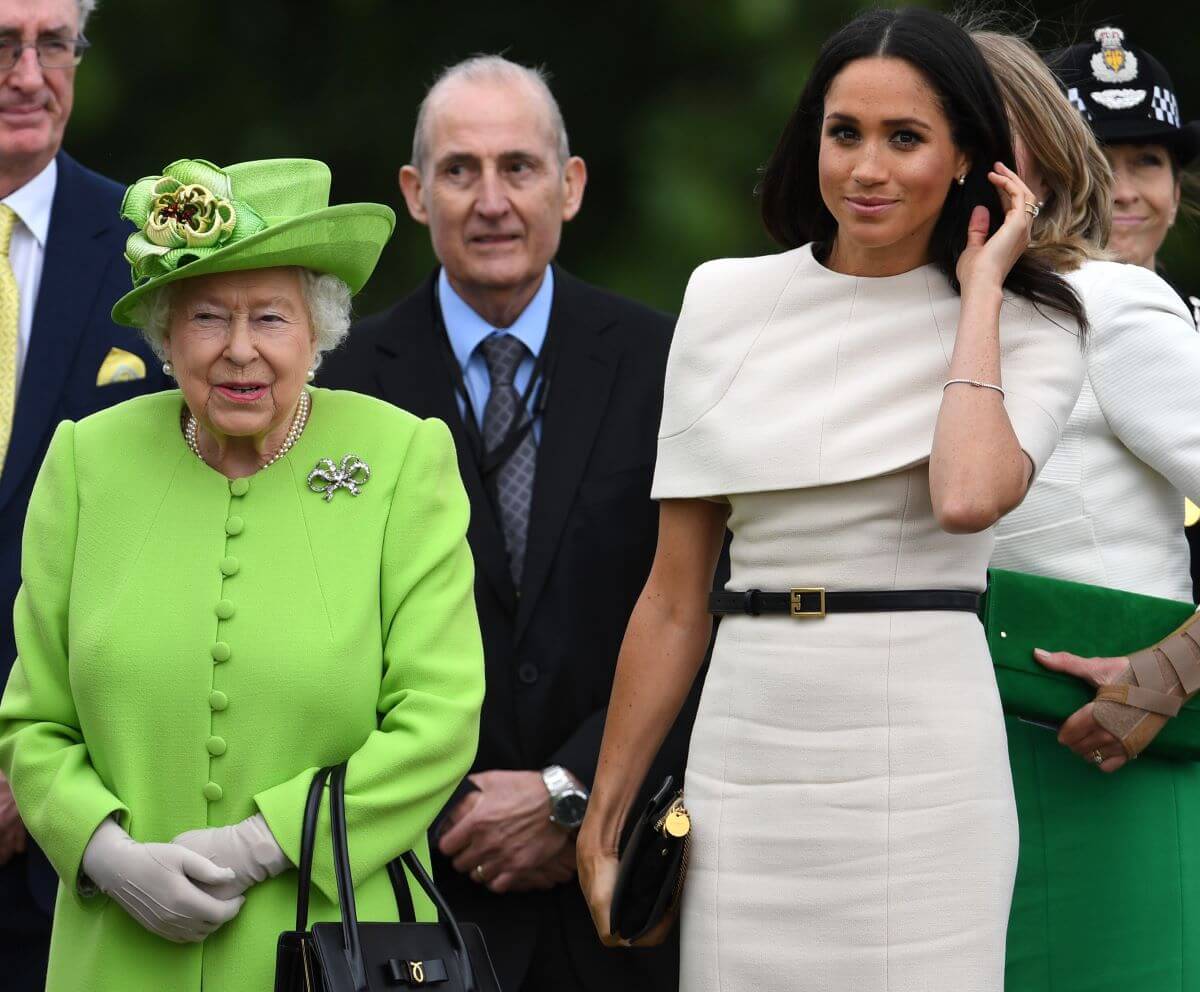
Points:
(228, 587)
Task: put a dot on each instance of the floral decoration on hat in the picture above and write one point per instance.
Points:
(187, 212)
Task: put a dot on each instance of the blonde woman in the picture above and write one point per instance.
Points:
(1106, 510)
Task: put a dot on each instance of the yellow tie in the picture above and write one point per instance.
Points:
(9, 311)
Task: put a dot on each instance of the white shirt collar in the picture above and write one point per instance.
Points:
(32, 202)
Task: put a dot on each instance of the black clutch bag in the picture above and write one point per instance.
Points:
(374, 957)
(653, 866)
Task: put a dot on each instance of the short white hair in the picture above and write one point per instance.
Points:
(326, 296)
(490, 69)
(86, 8)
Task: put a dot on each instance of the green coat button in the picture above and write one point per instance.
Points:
(218, 700)
(234, 526)
(220, 652)
(224, 609)
(230, 566)
(213, 792)
(239, 487)
(216, 746)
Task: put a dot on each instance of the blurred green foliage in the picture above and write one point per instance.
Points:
(674, 104)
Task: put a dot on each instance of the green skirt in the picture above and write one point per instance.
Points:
(1107, 896)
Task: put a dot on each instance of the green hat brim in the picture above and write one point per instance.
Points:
(345, 240)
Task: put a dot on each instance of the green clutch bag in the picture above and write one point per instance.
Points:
(1021, 612)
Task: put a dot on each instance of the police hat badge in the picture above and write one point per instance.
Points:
(1125, 93)
(1113, 63)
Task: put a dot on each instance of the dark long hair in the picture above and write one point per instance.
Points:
(792, 208)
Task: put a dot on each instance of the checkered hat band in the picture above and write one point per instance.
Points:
(1077, 102)
(1165, 106)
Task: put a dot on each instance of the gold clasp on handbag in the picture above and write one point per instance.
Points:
(675, 822)
(798, 602)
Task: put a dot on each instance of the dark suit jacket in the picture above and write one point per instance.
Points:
(83, 274)
(550, 650)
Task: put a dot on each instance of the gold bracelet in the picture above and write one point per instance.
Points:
(974, 382)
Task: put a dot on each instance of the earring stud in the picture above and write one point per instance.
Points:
(962, 180)
(168, 369)
(312, 374)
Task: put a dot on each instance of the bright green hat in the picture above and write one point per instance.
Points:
(196, 219)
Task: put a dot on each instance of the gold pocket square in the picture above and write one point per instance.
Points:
(120, 365)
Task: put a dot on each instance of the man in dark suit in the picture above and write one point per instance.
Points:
(553, 389)
(61, 270)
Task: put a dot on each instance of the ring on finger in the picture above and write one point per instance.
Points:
(479, 874)
(1033, 209)
(1098, 757)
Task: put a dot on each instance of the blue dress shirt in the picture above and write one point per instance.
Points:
(467, 330)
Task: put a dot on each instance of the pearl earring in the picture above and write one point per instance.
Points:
(312, 374)
(168, 369)
(962, 180)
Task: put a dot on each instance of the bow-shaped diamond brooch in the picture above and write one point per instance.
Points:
(328, 478)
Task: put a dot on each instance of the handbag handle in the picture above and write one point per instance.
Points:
(345, 883)
(308, 838)
(351, 944)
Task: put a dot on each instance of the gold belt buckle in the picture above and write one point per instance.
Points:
(797, 603)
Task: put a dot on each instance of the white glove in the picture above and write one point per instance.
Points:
(156, 884)
(249, 848)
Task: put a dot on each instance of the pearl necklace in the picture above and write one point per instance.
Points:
(299, 422)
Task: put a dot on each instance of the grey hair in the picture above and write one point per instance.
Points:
(326, 296)
(490, 69)
(86, 7)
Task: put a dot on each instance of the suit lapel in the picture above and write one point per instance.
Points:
(580, 384)
(413, 374)
(73, 269)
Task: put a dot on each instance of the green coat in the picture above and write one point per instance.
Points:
(188, 656)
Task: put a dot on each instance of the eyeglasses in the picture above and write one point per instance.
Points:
(52, 53)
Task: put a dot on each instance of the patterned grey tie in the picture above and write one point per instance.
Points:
(514, 478)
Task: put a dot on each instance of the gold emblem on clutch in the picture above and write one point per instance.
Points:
(675, 822)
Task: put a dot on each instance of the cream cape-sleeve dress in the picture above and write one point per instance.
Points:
(854, 826)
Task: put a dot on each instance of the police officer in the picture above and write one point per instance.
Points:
(1127, 97)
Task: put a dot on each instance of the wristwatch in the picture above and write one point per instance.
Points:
(568, 802)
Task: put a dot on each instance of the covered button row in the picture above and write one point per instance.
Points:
(221, 652)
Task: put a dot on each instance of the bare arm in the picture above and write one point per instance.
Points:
(977, 470)
(663, 650)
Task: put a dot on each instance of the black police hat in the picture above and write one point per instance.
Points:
(1125, 94)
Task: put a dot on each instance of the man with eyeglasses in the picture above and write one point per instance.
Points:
(61, 270)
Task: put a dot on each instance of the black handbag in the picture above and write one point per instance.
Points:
(653, 866)
(374, 957)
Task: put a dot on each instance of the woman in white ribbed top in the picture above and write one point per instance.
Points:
(1107, 510)
(1108, 507)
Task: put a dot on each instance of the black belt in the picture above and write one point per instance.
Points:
(814, 602)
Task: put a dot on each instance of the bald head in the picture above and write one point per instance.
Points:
(483, 72)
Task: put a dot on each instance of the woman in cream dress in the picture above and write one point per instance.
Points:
(852, 809)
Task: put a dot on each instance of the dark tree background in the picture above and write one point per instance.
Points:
(674, 104)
